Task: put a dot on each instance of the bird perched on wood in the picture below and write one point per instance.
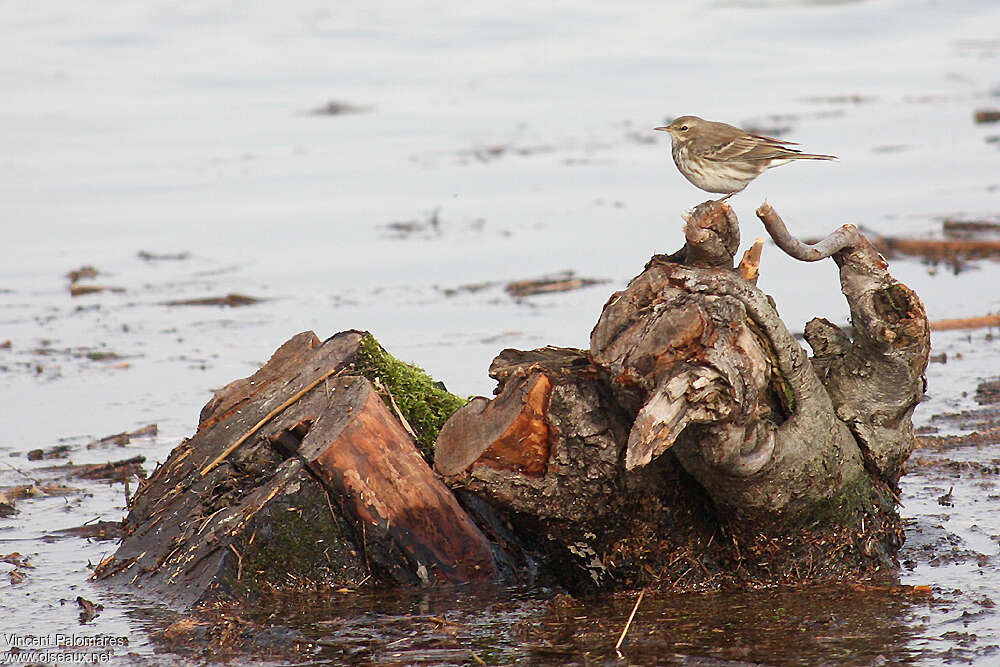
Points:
(721, 158)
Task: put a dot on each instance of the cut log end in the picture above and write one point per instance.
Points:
(510, 432)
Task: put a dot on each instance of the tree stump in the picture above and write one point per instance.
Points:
(299, 477)
(695, 444)
(691, 371)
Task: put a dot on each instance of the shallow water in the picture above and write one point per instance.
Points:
(525, 133)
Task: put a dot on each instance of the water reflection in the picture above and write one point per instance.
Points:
(833, 624)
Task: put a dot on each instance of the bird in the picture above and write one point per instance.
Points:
(723, 159)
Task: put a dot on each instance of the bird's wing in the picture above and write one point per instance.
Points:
(749, 147)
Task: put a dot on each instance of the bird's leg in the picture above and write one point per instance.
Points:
(733, 193)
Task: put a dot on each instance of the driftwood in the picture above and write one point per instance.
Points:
(695, 443)
(329, 491)
(982, 322)
(691, 366)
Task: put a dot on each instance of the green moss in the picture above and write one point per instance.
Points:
(843, 509)
(425, 404)
(294, 548)
(784, 391)
(894, 299)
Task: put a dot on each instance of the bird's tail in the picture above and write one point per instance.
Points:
(812, 156)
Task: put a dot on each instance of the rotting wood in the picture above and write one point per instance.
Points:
(750, 264)
(81, 290)
(319, 484)
(962, 228)
(548, 444)
(268, 417)
(938, 249)
(691, 366)
(232, 300)
(695, 443)
(981, 322)
(560, 282)
(987, 116)
(123, 438)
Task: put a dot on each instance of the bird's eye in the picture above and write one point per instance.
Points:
(684, 128)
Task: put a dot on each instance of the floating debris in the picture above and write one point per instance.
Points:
(98, 530)
(988, 392)
(939, 249)
(987, 116)
(406, 228)
(18, 561)
(113, 470)
(497, 151)
(80, 290)
(89, 610)
(966, 323)
(890, 148)
(232, 300)
(470, 288)
(85, 272)
(57, 452)
(122, 439)
(432, 227)
(840, 99)
(15, 559)
(168, 256)
(334, 108)
(10, 495)
(965, 228)
(563, 281)
(90, 354)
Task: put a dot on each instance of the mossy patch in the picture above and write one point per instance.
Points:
(425, 403)
(295, 548)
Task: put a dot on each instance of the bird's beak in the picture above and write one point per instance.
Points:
(662, 129)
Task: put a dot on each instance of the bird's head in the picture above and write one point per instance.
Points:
(682, 129)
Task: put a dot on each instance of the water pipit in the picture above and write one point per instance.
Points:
(721, 158)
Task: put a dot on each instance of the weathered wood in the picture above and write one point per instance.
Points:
(540, 467)
(330, 491)
(711, 371)
(368, 458)
(981, 322)
(875, 378)
(750, 264)
(549, 444)
(695, 435)
(510, 432)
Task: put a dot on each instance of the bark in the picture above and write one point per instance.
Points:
(702, 357)
(875, 377)
(692, 386)
(540, 468)
(549, 444)
(694, 443)
(328, 490)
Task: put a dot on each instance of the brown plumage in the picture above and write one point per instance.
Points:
(721, 158)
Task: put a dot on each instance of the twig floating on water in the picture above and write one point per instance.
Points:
(628, 623)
